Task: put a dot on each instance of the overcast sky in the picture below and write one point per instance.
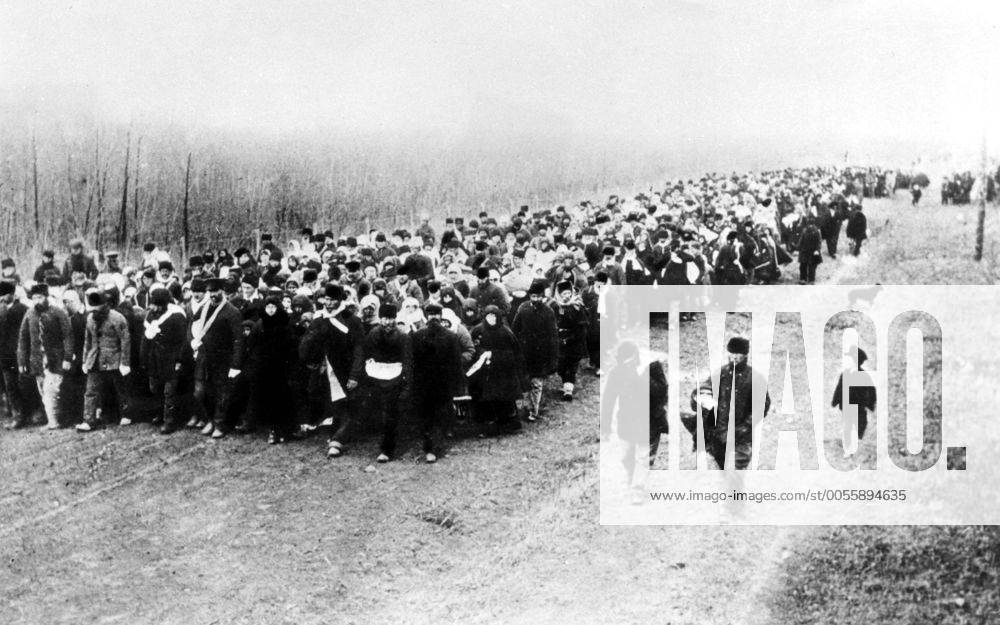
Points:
(828, 71)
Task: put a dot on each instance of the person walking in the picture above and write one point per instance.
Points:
(497, 377)
(571, 323)
(12, 313)
(216, 337)
(535, 328)
(385, 365)
(857, 229)
(107, 351)
(437, 378)
(329, 350)
(274, 397)
(737, 381)
(161, 351)
(45, 349)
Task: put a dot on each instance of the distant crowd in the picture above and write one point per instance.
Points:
(966, 187)
(333, 330)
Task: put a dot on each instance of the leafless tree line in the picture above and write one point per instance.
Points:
(118, 187)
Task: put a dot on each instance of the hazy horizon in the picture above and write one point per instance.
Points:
(818, 79)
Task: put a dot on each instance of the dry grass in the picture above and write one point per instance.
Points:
(907, 574)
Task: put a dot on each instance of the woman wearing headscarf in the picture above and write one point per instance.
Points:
(411, 316)
(471, 314)
(451, 299)
(276, 359)
(368, 311)
(497, 376)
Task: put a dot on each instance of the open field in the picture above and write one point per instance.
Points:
(124, 526)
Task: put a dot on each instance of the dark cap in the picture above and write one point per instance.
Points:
(215, 284)
(387, 311)
(159, 297)
(538, 286)
(334, 292)
(738, 345)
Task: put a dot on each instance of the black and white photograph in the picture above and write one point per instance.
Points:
(678, 312)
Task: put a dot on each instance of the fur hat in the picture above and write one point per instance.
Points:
(198, 285)
(432, 309)
(7, 287)
(95, 298)
(334, 292)
(39, 289)
(215, 284)
(738, 345)
(7, 262)
(538, 286)
(387, 311)
(160, 297)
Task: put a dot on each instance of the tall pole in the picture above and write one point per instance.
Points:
(187, 185)
(980, 225)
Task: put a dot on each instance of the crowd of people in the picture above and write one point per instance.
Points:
(966, 187)
(332, 330)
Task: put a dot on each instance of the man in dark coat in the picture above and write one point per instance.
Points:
(862, 396)
(46, 268)
(329, 349)
(728, 269)
(45, 349)
(489, 293)
(810, 255)
(137, 383)
(571, 322)
(74, 383)
(633, 269)
(611, 268)
(217, 342)
(592, 303)
(737, 382)
(535, 328)
(830, 222)
(857, 229)
(419, 267)
(385, 365)
(161, 352)
(78, 261)
(437, 377)
(12, 314)
(249, 302)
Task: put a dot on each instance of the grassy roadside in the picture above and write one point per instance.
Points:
(905, 574)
